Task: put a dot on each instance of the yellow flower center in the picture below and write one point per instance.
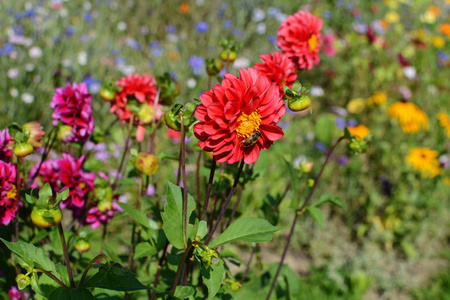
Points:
(248, 124)
(312, 42)
(12, 193)
(82, 185)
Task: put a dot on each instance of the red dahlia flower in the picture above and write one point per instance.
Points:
(8, 192)
(299, 38)
(278, 68)
(5, 141)
(72, 105)
(142, 88)
(231, 114)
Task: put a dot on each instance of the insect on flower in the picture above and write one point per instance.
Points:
(251, 139)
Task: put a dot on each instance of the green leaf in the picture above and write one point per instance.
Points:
(172, 215)
(297, 86)
(117, 278)
(295, 179)
(62, 196)
(44, 194)
(111, 253)
(25, 263)
(212, 278)
(316, 214)
(70, 294)
(144, 249)
(247, 229)
(347, 134)
(30, 253)
(166, 155)
(200, 228)
(62, 271)
(328, 197)
(184, 292)
(135, 214)
(39, 236)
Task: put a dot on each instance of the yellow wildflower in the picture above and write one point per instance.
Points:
(409, 115)
(356, 106)
(392, 17)
(444, 121)
(438, 42)
(378, 98)
(424, 160)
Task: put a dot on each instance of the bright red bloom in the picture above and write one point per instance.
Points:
(8, 192)
(299, 37)
(142, 88)
(233, 111)
(278, 68)
(5, 141)
(72, 105)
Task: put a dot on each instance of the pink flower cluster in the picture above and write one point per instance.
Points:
(67, 173)
(72, 107)
(8, 192)
(5, 151)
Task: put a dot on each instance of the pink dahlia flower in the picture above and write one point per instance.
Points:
(8, 192)
(97, 216)
(72, 176)
(231, 114)
(278, 68)
(299, 37)
(72, 107)
(5, 141)
(328, 44)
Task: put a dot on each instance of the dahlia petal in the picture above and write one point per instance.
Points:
(252, 156)
(273, 133)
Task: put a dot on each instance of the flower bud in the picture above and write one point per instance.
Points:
(172, 117)
(104, 205)
(97, 136)
(82, 245)
(22, 281)
(145, 113)
(34, 130)
(235, 286)
(299, 103)
(213, 66)
(46, 218)
(306, 167)
(310, 182)
(225, 55)
(23, 149)
(358, 146)
(169, 89)
(146, 163)
(65, 133)
(107, 94)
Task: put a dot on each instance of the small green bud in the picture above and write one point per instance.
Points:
(236, 286)
(22, 281)
(145, 113)
(65, 133)
(299, 103)
(310, 182)
(146, 163)
(82, 245)
(23, 149)
(213, 66)
(225, 55)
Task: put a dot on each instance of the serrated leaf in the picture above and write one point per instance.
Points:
(144, 249)
(297, 86)
(25, 263)
(172, 215)
(70, 294)
(316, 214)
(212, 278)
(135, 214)
(39, 236)
(31, 253)
(117, 278)
(328, 197)
(247, 229)
(62, 271)
(201, 228)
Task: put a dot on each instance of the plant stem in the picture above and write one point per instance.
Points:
(52, 277)
(183, 171)
(127, 141)
(47, 149)
(297, 213)
(80, 284)
(197, 178)
(208, 190)
(233, 212)
(248, 264)
(180, 265)
(158, 271)
(225, 205)
(66, 255)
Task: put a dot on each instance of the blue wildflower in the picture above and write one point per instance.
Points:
(132, 43)
(197, 64)
(227, 24)
(238, 33)
(8, 48)
(155, 46)
(69, 31)
(340, 123)
(88, 17)
(202, 27)
(327, 14)
(272, 39)
(171, 29)
(352, 123)
(320, 146)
